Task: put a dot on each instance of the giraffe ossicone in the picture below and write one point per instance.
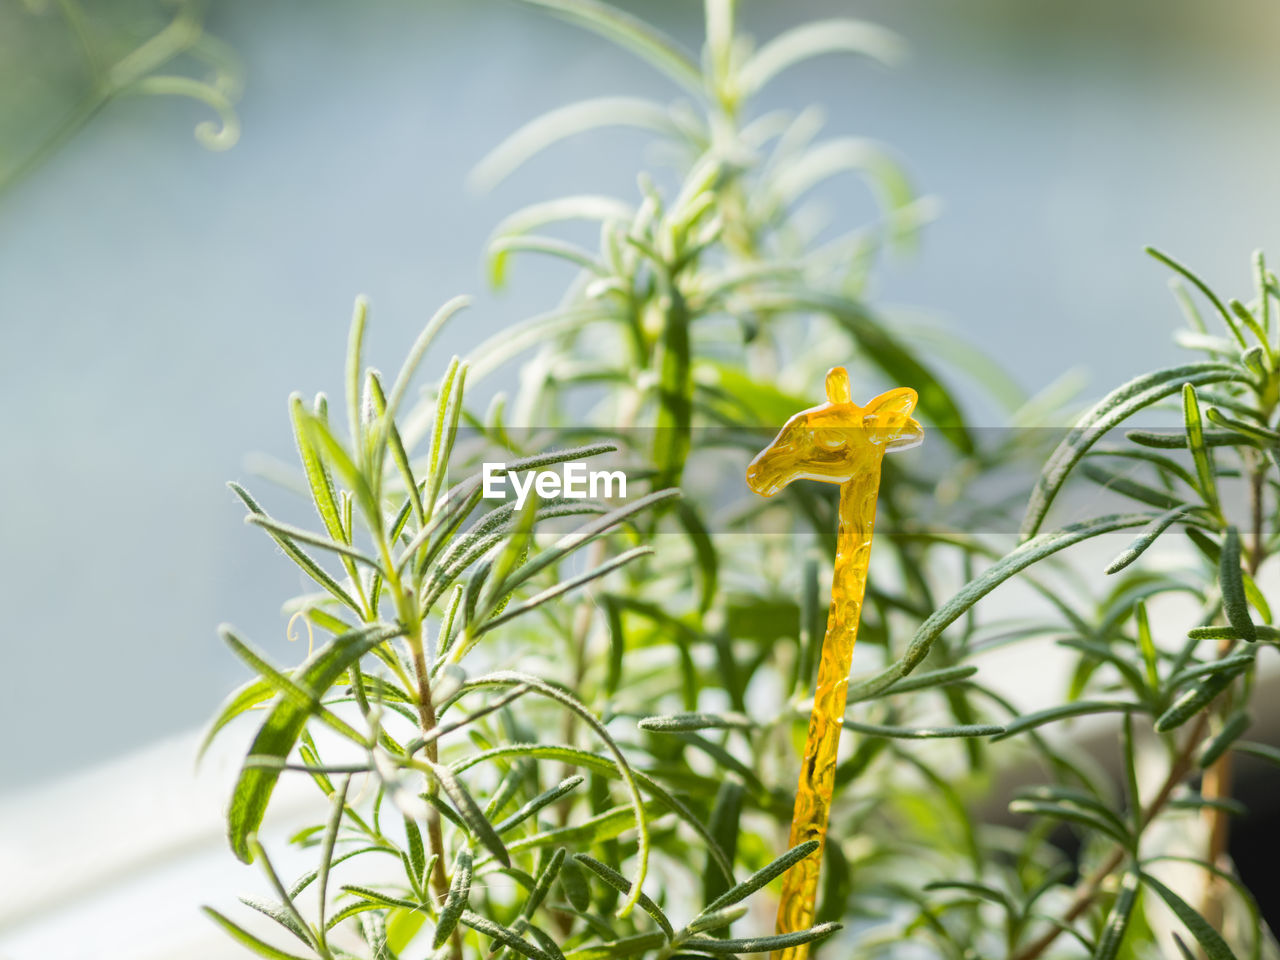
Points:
(834, 442)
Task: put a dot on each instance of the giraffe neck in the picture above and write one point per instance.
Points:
(853, 546)
(817, 772)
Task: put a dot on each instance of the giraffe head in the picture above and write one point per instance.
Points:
(836, 440)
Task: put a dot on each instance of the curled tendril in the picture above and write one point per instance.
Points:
(137, 71)
(365, 782)
(219, 135)
(292, 637)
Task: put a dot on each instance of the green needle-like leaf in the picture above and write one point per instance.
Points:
(1263, 751)
(762, 877)
(322, 492)
(631, 34)
(632, 946)
(1250, 322)
(298, 535)
(623, 886)
(685, 722)
(457, 900)
(763, 944)
(1078, 708)
(1031, 551)
(924, 733)
(337, 804)
(1113, 930)
(927, 680)
(1213, 748)
(503, 935)
(814, 39)
(285, 685)
(1205, 471)
(1073, 813)
(1195, 699)
(337, 456)
(448, 407)
(283, 725)
(1147, 646)
(296, 554)
(1203, 287)
(246, 939)
(575, 887)
(400, 388)
(1178, 441)
(380, 898)
(1215, 948)
(417, 853)
(280, 916)
(469, 811)
(564, 122)
(1109, 412)
(544, 799)
(354, 367)
(252, 694)
(1147, 537)
(1235, 603)
(1254, 431)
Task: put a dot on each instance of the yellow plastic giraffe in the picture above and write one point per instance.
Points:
(835, 442)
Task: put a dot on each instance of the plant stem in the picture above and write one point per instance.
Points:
(1087, 891)
(406, 609)
(1257, 493)
(1216, 786)
(435, 838)
(427, 721)
(1217, 779)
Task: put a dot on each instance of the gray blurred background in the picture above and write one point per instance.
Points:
(159, 301)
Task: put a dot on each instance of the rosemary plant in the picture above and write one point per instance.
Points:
(511, 770)
(452, 783)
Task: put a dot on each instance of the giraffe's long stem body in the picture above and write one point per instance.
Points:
(817, 773)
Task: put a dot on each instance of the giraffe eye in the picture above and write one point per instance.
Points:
(829, 439)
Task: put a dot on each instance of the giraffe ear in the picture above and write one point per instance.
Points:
(902, 401)
(838, 386)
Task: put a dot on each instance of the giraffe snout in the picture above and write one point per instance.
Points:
(767, 473)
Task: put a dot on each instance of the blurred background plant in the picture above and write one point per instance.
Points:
(72, 59)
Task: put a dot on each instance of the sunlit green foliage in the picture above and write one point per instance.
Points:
(513, 770)
(429, 575)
